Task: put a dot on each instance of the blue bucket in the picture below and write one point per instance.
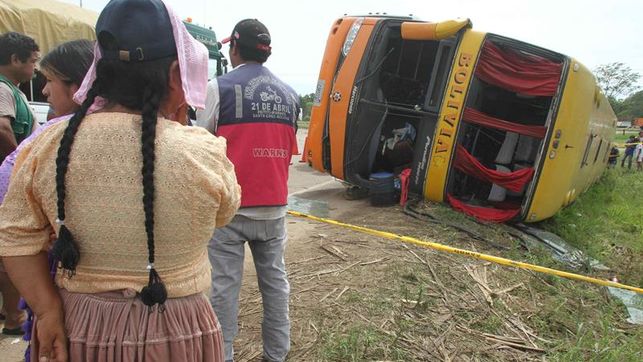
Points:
(382, 189)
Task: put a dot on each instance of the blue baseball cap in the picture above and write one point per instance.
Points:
(135, 30)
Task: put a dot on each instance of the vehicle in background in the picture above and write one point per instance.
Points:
(41, 111)
(500, 129)
(217, 63)
(638, 122)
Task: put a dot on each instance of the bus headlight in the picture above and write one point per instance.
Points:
(352, 34)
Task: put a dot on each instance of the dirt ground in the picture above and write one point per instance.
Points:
(361, 297)
(328, 266)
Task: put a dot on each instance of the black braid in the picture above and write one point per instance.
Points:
(154, 292)
(137, 86)
(65, 249)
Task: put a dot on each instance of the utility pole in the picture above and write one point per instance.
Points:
(81, 3)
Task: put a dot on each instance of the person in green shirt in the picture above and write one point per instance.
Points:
(18, 57)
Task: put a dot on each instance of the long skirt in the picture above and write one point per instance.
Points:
(118, 327)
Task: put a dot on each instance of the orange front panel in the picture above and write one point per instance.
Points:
(334, 44)
(340, 97)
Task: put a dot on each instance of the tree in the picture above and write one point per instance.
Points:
(306, 103)
(616, 79)
(617, 106)
(632, 107)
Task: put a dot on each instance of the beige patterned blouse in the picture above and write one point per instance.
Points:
(196, 191)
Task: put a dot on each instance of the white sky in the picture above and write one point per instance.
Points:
(593, 31)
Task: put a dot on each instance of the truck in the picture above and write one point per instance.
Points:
(217, 63)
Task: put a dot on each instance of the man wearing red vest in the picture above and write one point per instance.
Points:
(256, 112)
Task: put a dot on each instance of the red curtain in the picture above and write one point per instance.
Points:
(474, 116)
(519, 72)
(483, 213)
(514, 181)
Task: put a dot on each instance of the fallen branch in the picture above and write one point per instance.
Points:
(481, 283)
(341, 293)
(373, 261)
(304, 290)
(352, 242)
(328, 295)
(304, 261)
(504, 338)
(517, 345)
(428, 265)
(328, 271)
(333, 253)
(415, 255)
(348, 267)
(313, 325)
(507, 290)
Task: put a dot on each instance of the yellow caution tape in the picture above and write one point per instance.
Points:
(472, 254)
(621, 145)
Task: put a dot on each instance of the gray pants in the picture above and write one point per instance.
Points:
(267, 241)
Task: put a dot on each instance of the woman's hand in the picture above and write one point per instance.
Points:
(30, 274)
(52, 239)
(52, 341)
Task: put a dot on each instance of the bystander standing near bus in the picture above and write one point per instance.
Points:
(630, 146)
(18, 56)
(256, 113)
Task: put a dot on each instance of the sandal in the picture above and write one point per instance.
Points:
(13, 331)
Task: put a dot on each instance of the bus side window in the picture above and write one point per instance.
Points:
(598, 150)
(607, 152)
(438, 78)
(587, 148)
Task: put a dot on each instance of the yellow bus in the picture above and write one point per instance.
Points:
(500, 129)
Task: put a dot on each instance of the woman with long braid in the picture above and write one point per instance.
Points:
(132, 195)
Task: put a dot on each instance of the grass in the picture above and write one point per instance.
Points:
(581, 323)
(607, 223)
(355, 344)
(355, 339)
(585, 325)
(601, 345)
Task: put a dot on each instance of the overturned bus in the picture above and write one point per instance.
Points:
(500, 129)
